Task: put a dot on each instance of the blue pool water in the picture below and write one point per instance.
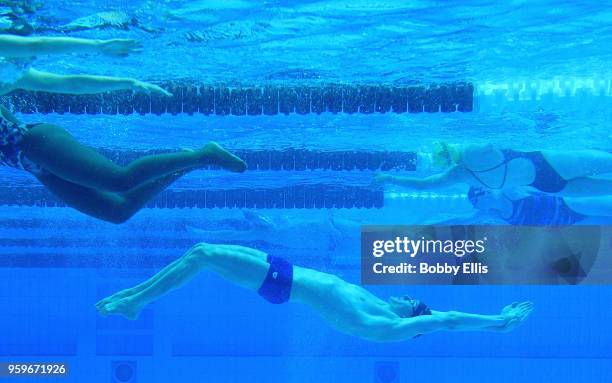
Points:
(540, 72)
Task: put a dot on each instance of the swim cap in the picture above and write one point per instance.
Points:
(444, 154)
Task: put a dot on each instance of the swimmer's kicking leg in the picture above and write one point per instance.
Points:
(108, 206)
(55, 150)
(138, 288)
(349, 308)
(130, 301)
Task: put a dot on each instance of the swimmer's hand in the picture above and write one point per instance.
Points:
(119, 47)
(514, 315)
(149, 88)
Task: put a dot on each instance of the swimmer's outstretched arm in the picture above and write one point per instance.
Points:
(407, 328)
(450, 177)
(20, 46)
(80, 84)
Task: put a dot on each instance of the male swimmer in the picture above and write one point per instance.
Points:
(349, 308)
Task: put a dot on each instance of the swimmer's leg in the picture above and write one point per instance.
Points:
(591, 206)
(243, 266)
(146, 284)
(138, 288)
(579, 163)
(107, 206)
(55, 150)
(587, 187)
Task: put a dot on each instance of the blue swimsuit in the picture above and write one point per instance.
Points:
(536, 210)
(546, 179)
(276, 288)
(543, 210)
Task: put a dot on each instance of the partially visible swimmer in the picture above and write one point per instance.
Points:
(349, 308)
(18, 52)
(88, 181)
(521, 207)
(286, 232)
(563, 172)
(11, 22)
(102, 20)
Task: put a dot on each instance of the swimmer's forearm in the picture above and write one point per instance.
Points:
(413, 182)
(460, 321)
(19, 46)
(408, 328)
(386, 330)
(440, 180)
(81, 84)
(72, 84)
(87, 84)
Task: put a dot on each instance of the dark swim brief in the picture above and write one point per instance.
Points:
(421, 309)
(276, 288)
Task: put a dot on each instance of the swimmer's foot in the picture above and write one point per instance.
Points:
(126, 307)
(515, 314)
(116, 296)
(219, 156)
